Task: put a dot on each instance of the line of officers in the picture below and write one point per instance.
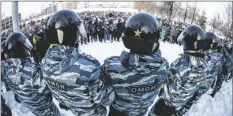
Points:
(128, 83)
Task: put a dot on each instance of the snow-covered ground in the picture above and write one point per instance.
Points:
(220, 105)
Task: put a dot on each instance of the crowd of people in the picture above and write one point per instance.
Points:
(101, 27)
(43, 62)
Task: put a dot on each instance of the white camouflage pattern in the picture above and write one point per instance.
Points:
(23, 77)
(136, 80)
(74, 81)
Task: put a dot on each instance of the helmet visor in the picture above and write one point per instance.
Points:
(28, 44)
(81, 30)
(180, 37)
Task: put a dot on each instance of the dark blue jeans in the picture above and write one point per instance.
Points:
(106, 36)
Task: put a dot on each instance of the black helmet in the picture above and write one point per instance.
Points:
(142, 34)
(192, 38)
(212, 41)
(64, 27)
(17, 46)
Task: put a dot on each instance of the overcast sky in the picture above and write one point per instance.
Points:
(26, 8)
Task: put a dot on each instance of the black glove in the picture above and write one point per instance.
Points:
(63, 106)
(5, 111)
(161, 109)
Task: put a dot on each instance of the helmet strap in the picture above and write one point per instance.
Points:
(200, 52)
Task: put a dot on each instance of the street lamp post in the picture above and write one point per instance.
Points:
(15, 16)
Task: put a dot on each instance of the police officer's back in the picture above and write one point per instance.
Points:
(138, 75)
(73, 77)
(227, 62)
(215, 61)
(186, 74)
(5, 110)
(23, 77)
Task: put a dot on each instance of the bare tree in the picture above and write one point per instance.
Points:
(202, 20)
(194, 12)
(223, 29)
(169, 9)
(228, 18)
(215, 22)
(180, 12)
(177, 9)
(150, 7)
(162, 9)
(186, 11)
(139, 5)
(170, 4)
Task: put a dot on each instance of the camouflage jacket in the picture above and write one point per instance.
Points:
(136, 80)
(214, 64)
(214, 60)
(74, 80)
(227, 64)
(187, 75)
(23, 77)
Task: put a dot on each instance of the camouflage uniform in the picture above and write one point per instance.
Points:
(228, 64)
(226, 70)
(187, 75)
(136, 80)
(24, 78)
(215, 63)
(74, 81)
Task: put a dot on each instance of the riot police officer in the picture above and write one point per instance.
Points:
(186, 74)
(73, 78)
(5, 110)
(215, 62)
(138, 75)
(20, 73)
